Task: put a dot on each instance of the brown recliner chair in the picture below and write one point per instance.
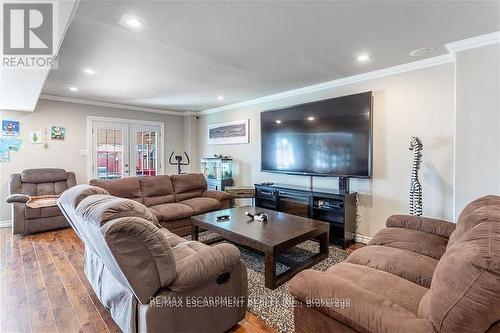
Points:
(150, 279)
(417, 275)
(37, 182)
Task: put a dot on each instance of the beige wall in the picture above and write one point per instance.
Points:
(477, 161)
(66, 154)
(418, 103)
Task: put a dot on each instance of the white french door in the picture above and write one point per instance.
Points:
(123, 148)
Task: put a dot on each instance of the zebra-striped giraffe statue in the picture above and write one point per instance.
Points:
(415, 186)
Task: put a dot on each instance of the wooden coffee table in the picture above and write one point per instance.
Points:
(280, 233)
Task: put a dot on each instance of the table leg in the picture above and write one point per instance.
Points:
(194, 232)
(270, 270)
(324, 243)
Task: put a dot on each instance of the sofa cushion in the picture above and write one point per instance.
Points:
(45, 189)
(43, 175)
(185, 249)
(488, 200)
(362, 297)
(473, 214)
(172, 238)
(171, 211)
(129, 188)
(35, 213)
(425, 224)
(409, 265)
(188, 186)
(205, 265)
(102, 208)
(411, 240)
(78, 193)
(202, 205)
(465, 290)
(157, 190)
(181, 227)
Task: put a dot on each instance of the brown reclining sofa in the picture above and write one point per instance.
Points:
(150, 279)
(172, 199)
(417, 275)
(37, 182)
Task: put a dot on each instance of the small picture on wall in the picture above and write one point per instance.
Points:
(10, 127)
(57, 132)
(233, 132)
(36, 137)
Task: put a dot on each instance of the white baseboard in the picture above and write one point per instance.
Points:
(362, 239)
(5, 224)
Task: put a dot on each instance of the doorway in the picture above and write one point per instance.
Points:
(121, 148)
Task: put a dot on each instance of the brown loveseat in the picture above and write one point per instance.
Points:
(416, 275)
(172, 199)
(37, 182)
(150, 279)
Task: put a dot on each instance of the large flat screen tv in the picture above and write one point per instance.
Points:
(326, 138)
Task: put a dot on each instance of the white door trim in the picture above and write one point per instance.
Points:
(91, 119)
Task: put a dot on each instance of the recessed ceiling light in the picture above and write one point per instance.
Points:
(421, 51)
(131, 22)
(278, 121)
(90, 71)
(363, 57)
(220, 98)
(74, 89)
(310, 118)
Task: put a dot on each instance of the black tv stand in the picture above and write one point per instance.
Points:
(332, 206)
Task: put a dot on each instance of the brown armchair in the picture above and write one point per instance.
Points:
(37, 182)
(417, 275)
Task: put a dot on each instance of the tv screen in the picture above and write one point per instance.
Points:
(326, 138)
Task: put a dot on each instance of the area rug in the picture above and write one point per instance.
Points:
(275, 307)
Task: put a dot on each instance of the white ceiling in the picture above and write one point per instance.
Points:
(190, 52)
(20, 88)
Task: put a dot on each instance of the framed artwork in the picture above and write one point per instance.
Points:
(57, 132)
(232, 132)
(10, 127)
(36, 137)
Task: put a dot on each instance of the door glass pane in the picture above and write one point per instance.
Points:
(146, 156)
(109, 153)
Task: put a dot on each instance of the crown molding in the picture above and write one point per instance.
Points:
(473, 42)
(114, 105)
(411, 66)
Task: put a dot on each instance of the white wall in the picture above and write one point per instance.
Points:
(66, 154)
(477, 161)
(419, 103)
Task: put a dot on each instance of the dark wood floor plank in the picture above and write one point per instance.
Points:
(252, 324)
(39, 305)
(87, 314)
(62, 309)
(15, 302)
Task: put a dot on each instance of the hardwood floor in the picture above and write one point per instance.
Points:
(43, 287)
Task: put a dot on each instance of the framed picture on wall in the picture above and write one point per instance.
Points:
(232, 132)
(10, 127)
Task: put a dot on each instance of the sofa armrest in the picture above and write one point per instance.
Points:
(218, 195)
(355, 306)
(425, 224)
(203, 266)
(21, 198)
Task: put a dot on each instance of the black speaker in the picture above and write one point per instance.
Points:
(344, 185)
